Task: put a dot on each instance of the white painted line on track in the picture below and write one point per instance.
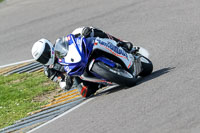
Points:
(70, 110)
(16, 63)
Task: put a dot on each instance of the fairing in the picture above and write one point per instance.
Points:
(77, 58)
(109, 46)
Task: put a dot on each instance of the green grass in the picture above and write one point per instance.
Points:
(1, 0)
(17, 93)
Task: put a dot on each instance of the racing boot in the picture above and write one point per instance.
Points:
(135, 50)
(128, 47)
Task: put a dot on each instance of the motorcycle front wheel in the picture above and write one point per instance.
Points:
(113, 74)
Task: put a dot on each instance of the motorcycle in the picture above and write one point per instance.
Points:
(101, 62)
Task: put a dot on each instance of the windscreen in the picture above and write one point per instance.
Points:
(61, 48)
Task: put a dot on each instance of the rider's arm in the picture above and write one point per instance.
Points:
(93, 32)
(89, 32)
(56, 74)
(83, 31)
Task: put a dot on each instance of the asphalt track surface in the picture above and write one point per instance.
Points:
(166, 101)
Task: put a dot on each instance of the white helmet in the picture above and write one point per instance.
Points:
(43, 52)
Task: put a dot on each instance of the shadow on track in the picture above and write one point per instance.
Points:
(154, 75)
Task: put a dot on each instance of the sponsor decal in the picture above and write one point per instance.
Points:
(67, 69)
(52, 50)
(51, 66)
(129, 64)
(114, 49)
(79, 42)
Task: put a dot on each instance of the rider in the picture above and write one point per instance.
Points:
(43, 52)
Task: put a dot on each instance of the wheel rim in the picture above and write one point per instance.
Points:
(117, 71)
(124, 73)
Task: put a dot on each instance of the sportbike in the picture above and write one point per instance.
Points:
(101, 62)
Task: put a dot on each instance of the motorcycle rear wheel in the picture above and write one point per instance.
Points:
(147, 66)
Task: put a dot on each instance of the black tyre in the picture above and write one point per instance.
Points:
(147, 66)
(116, 75)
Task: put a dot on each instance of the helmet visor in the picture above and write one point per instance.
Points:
(61, 48)
(46, 55)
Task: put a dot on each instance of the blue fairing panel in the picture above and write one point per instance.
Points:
(84, 48)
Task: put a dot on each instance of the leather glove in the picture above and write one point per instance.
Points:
(66, 83)
(50, 73)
